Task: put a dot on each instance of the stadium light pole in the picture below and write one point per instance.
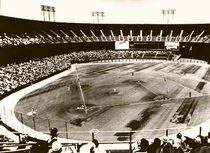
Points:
(98, 14)
(53, 10)
(169, 13)
(102, 15)
(48, 10)
(168, 16)
(93, 15)
(163, 14)
(173, 13)
(44, 15)
(43, 10)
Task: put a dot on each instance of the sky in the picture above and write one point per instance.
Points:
(116, 11)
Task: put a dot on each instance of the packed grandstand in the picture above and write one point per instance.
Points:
(35, 51)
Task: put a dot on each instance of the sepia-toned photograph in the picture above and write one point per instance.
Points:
(105, 76)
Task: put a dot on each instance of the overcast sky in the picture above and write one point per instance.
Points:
(116, 11)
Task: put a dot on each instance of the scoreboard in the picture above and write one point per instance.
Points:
(119, 45)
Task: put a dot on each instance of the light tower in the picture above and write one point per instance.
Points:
(53, 11)
(43, 9)
(169, 14)
(98, 14)
(48, 9)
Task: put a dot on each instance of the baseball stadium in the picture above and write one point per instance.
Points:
(120, 84)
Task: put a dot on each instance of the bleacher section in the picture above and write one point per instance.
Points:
(37, 32)
(34, 39)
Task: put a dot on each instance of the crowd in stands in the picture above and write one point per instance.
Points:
(25, 39)
(16, 75)
(181, 144)
(15, 40)
(85, 56)
(52, 37)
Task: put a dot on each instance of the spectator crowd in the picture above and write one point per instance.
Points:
(52, 37)
(17, 75)
(15, 40)
(7, 39)
(181, 144)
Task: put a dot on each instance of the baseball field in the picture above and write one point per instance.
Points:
(144, 97)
